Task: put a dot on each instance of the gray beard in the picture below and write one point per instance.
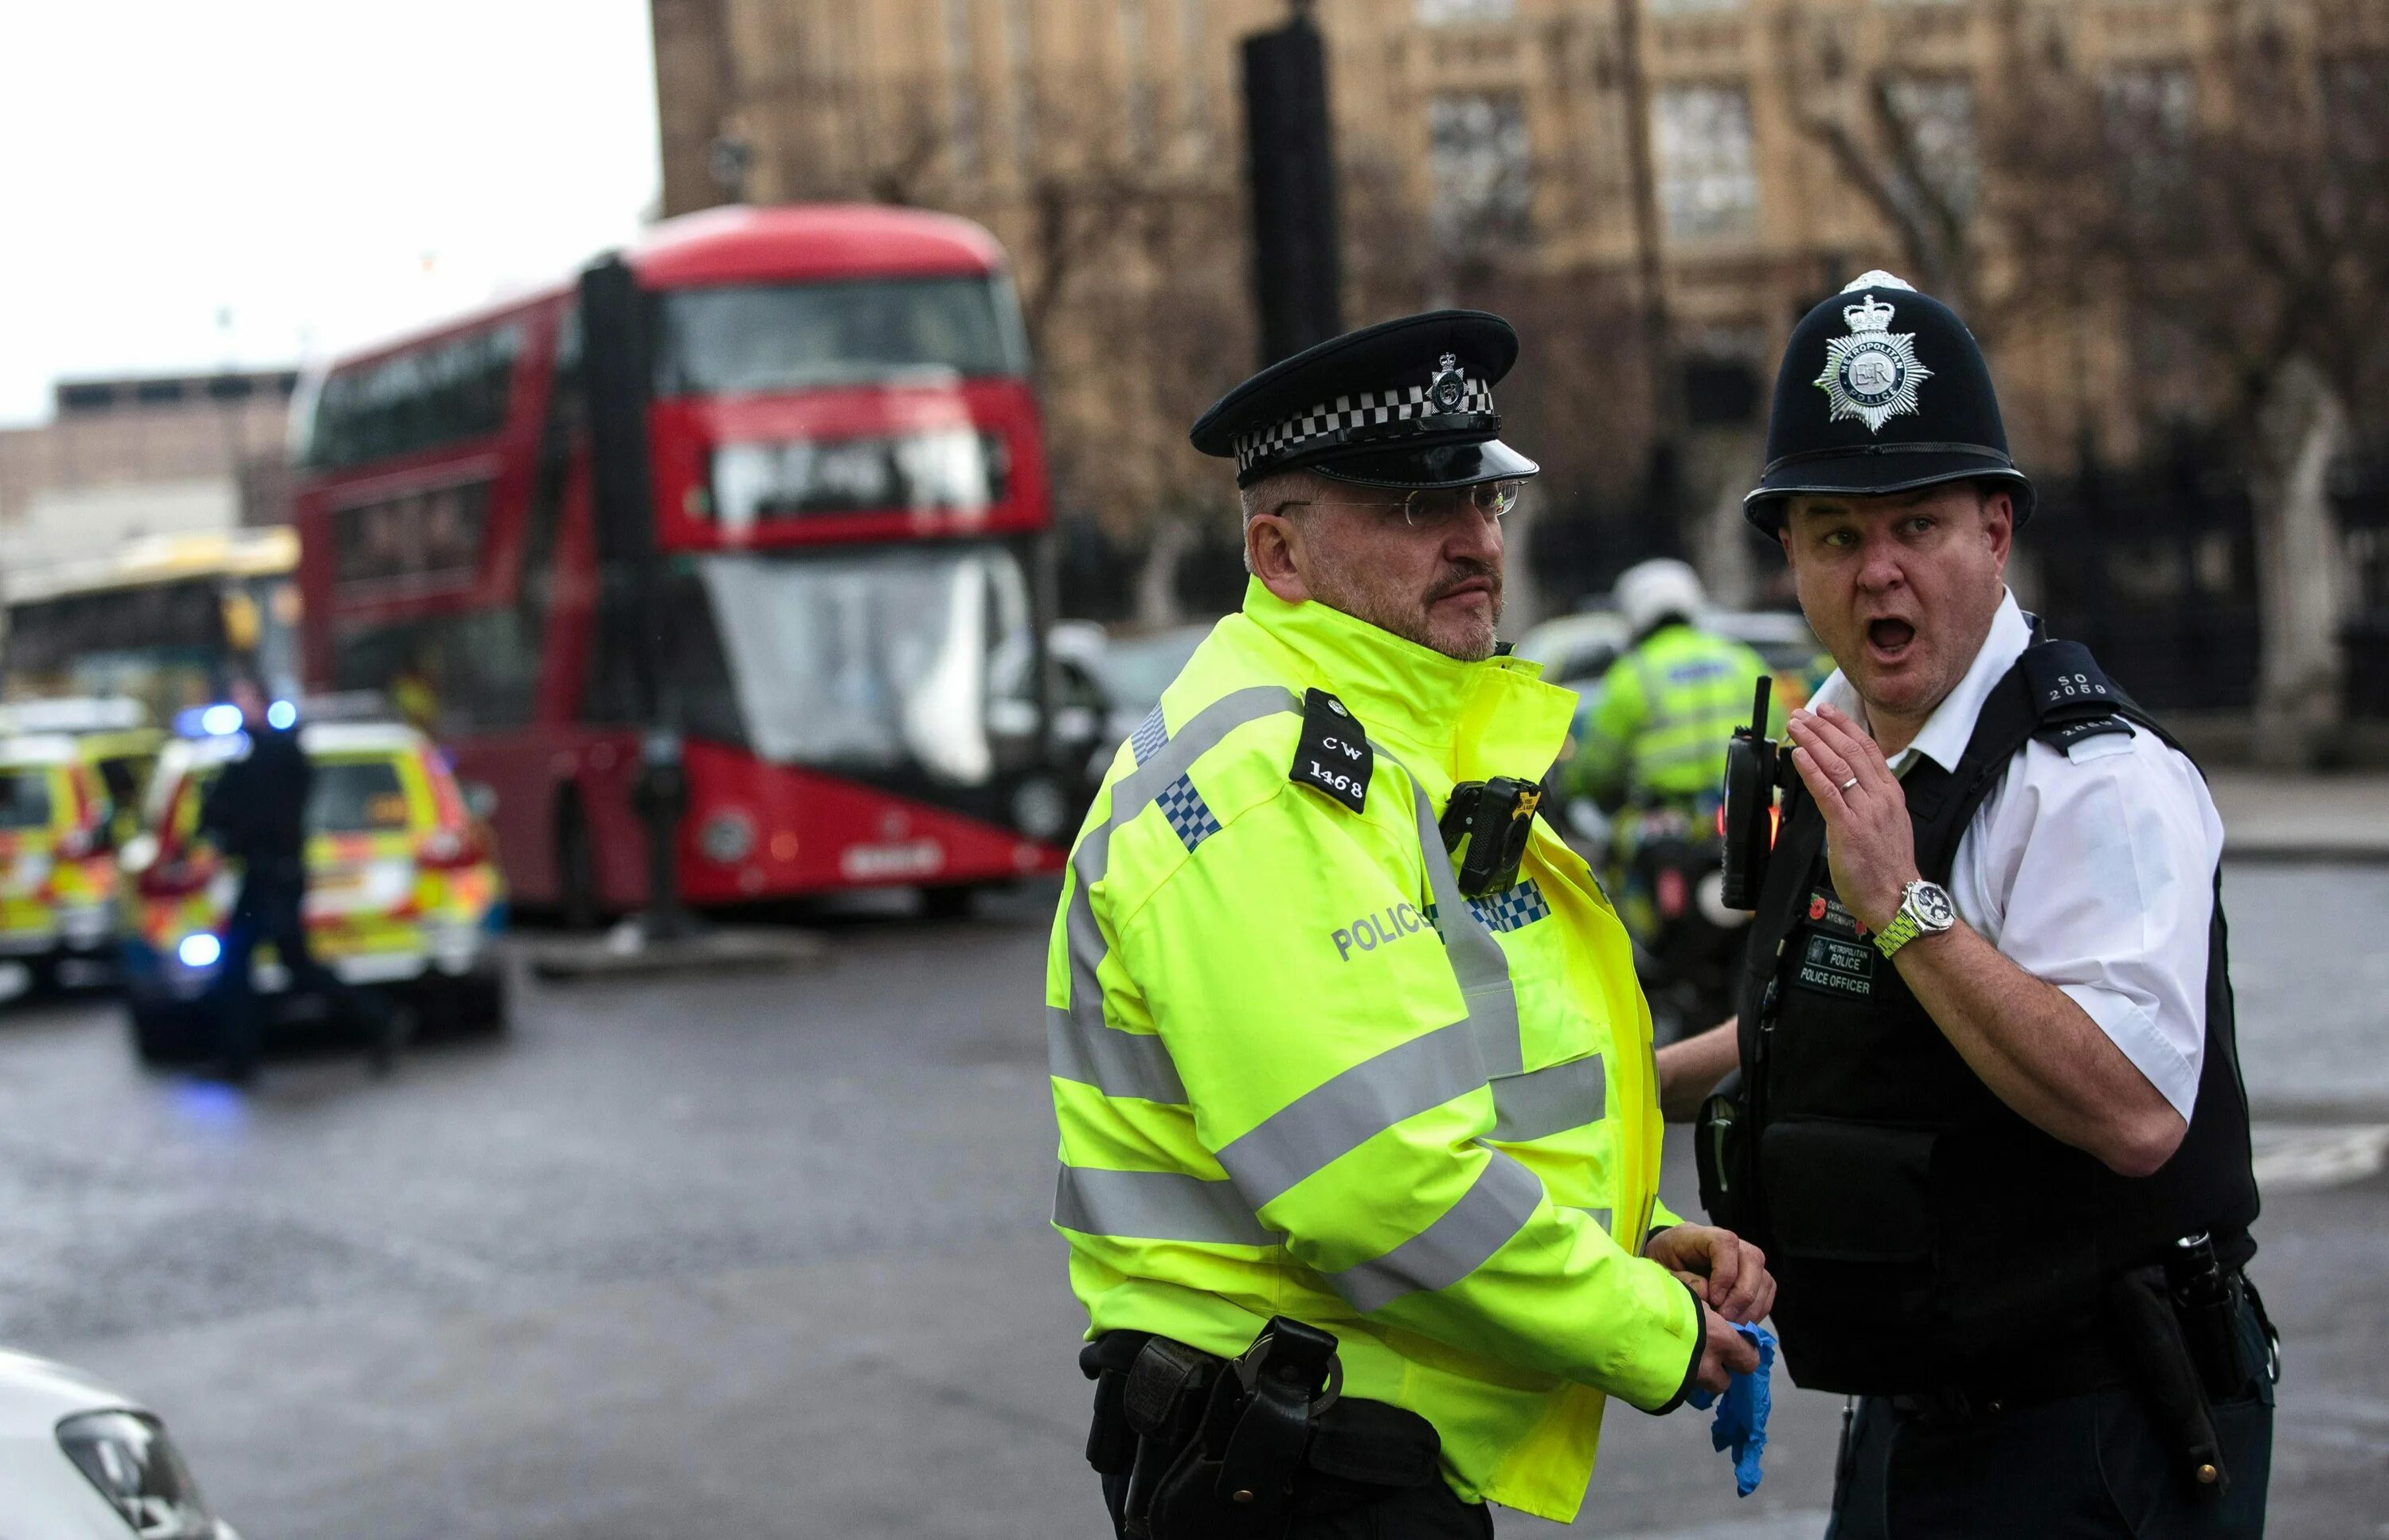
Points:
(1411, 626)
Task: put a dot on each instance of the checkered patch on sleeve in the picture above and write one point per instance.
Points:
(1150, 734)
(1522, 906)
(1368, 409)
(1187, 812)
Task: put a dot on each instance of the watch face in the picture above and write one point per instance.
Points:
(1932, 904)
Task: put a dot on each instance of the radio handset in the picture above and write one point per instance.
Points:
(1755, 767)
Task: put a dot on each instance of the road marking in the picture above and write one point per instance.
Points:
(2312, 1158)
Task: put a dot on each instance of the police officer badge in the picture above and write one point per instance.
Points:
(1871, 374)
(1446, 391)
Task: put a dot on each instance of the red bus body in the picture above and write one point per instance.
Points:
(849, 540)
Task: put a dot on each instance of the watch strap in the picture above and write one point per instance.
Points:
(1900, 933)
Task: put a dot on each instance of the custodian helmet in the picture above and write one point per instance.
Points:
(1883, 389)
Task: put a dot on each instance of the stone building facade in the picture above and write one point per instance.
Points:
(122, 458)
(1654, 188)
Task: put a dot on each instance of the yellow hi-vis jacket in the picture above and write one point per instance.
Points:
(1298, 1074)
(1665, 714)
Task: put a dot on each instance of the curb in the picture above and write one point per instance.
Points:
(2288, 852)
(710, 951)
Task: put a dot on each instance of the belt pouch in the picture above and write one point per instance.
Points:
(1163, 1402)
(1718, 1141)
(1235, 1480)
(1111, 1442)
(2149, 1337)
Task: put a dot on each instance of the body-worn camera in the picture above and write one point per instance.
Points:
(1755, 767)
(1485, 826)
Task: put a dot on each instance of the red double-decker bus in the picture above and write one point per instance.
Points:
(765, 490)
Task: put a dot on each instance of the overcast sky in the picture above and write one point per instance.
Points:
(327, 172)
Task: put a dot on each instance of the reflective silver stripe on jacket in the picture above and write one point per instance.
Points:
(1477, 960)
(1550, 1101)
(1482, 1048)
(1470, 1232)
(1156, 1205)
(1080, 1045)
(1310, 1132)
(1330, 1120)
(1117, 1063)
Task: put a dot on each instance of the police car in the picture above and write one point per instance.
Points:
(402, 886)
(78, 1461)
(57, 866)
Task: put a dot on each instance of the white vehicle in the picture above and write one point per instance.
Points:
(79, 1463)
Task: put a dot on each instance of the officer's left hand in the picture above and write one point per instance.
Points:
(1723, 1268)
(1871, 845)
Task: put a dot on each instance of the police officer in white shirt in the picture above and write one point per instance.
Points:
(1989, 1125)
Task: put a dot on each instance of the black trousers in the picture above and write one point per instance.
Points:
(1327, 1508)
(269, 910)
(2086, 1466)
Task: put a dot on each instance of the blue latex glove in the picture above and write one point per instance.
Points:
(1741, 1423)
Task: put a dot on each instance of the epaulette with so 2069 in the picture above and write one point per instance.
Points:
(2071, 697)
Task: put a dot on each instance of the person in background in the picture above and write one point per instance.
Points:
(1657, 730)
(256, 814)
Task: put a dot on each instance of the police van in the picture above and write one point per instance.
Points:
(402, 887)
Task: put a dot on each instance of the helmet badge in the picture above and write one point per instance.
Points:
(1871, 375)
(1445, 391)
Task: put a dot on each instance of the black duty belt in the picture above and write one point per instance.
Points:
(1194, 1445)
(2075, 1366)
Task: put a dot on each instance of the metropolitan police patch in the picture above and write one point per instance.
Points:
(1871, 374)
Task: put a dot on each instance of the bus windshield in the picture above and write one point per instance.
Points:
(880, 659)
(793, 336)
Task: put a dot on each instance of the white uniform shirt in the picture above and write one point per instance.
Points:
(2091, 868)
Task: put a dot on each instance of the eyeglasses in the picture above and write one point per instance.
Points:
(1429, 506)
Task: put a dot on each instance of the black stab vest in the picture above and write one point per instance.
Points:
(1920, 1231)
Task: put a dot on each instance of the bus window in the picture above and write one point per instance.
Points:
(878, 660)
(430, 396)
(789, 336)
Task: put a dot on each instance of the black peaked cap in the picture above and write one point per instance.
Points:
(1407, 402)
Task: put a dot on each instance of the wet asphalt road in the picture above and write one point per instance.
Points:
(766, 1254)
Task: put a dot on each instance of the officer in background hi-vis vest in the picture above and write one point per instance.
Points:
(1665, 710)
(1990, 1126)
(1359, 1145)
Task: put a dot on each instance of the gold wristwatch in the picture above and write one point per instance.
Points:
(1924, 909)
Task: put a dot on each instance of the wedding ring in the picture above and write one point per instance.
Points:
(1851, 781)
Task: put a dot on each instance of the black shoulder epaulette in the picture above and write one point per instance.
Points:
(1332, 755)
(2071, 697)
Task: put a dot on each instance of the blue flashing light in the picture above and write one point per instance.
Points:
(209, 1105)
(199, 950)
(221, 720)
(280, 716)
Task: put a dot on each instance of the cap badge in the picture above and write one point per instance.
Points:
(1871, 375)
(1448, 388)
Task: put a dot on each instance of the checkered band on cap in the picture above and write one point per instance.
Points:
(1368, 409)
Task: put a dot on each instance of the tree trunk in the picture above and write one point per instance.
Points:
(2298, 589)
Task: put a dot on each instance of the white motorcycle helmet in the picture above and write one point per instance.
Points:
(1648, 590)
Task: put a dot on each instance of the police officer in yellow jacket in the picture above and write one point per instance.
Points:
(1668, 706)
(1359, 1144)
